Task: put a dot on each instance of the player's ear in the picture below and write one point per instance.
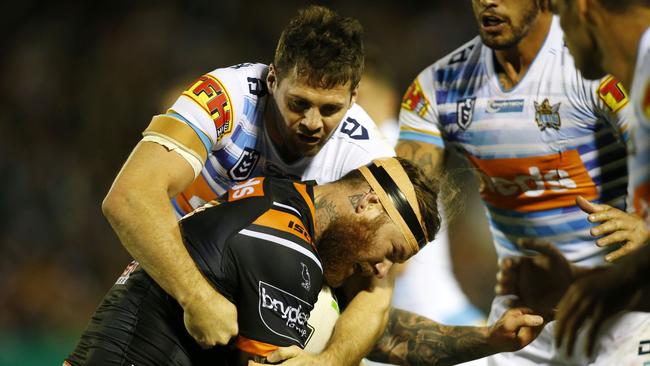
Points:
(368, 201)
(353, 96)
(271, 79)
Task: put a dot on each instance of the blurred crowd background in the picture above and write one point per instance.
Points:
(81, 80)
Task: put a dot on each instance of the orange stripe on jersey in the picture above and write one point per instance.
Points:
(254, 347)
(198, 193)
(302, 189)
(535, 183)
(253, 187)
(642, 201)
(178, 132)
(284, 221)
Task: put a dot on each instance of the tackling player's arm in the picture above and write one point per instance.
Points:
(138, 208)
(411, 339)
(427, 156)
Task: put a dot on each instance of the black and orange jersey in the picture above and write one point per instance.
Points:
(256, 249)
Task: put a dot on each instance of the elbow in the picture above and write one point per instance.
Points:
(115, 204)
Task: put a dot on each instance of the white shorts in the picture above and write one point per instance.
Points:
(623, 340)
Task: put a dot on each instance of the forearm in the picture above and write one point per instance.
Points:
(411, 339)
(359, 326)
(138, 208)
(148, 229)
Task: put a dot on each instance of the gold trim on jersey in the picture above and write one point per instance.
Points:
(178, 132)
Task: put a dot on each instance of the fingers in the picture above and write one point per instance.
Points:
(574, 323)
(618, 254)
(507, 277)
(597, 320)
(521, 317)
(543, 247)
(589, 207)
(284, 353)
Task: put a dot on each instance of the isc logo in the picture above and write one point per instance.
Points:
(535, 183)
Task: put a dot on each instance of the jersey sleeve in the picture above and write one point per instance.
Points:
(203, 117)
(418, 117)
(612, 102)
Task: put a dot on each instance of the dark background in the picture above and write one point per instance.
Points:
(81, 79)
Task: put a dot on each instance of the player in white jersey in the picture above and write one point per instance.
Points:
(294, 117)
(599, 47)
(538, 134)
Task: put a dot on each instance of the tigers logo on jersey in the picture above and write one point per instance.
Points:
(535, 183)
(414, 100)
(212, 97)
(547, 115)
(465, 112)
(612, 93)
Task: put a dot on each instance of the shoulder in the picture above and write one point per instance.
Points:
(358, 131)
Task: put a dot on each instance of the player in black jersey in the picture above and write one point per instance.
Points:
(268, 246)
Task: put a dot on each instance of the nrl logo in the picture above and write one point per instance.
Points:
(547, 115)
(465, 112)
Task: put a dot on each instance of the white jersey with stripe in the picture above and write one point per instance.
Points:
(536, 147)
(225, 108)
(640, 159)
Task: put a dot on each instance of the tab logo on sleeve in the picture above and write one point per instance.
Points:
(612, 93)
(210, 94)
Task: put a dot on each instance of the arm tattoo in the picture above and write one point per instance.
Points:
(411, 339)
(420, 154)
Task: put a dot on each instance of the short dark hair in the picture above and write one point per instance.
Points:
(323, 47)
(426, 191)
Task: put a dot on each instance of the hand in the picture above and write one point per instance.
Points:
(294, 356)
(210, 319)
(597, 295)
(539, 281)
(515, 330)
(617, 227)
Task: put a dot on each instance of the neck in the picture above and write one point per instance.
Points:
(515, 61)
(621, 46)
(325, 208)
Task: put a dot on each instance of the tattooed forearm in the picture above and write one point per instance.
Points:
(427, 156)
(411, 339)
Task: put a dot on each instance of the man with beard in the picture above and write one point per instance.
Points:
(600, 48)
(546, 144)
(297, 117)
(268, 246)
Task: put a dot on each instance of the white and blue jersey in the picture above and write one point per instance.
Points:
(219, 119)
(535, 148)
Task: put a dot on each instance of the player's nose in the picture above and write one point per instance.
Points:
(313, 120)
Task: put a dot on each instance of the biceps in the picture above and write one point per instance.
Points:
(152, 166)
